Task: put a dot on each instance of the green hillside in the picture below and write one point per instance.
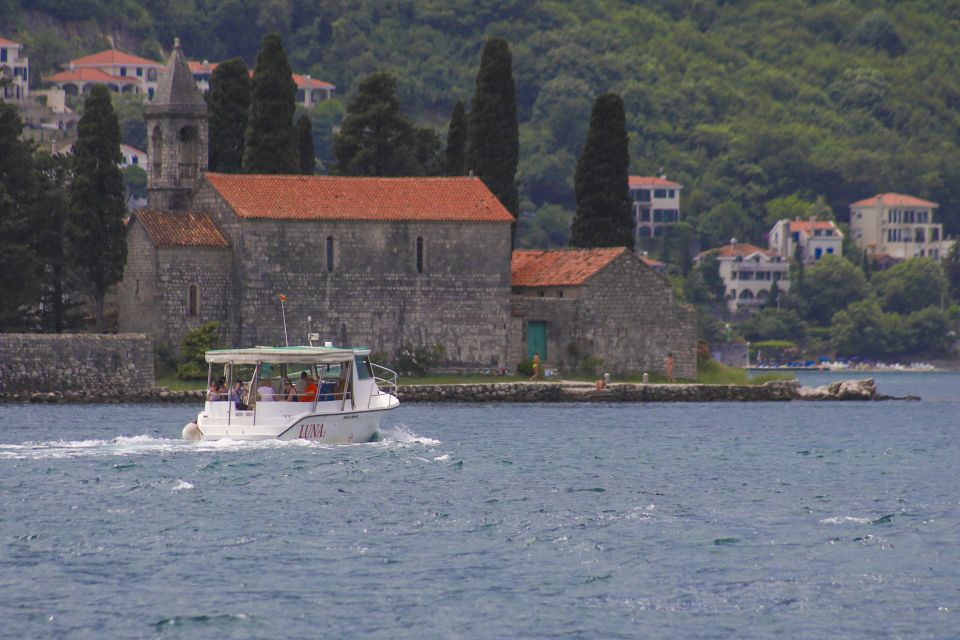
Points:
(743, 102)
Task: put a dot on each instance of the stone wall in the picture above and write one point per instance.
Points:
(374, 295)
(626, 315)
(121, 363)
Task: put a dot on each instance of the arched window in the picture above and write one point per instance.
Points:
(193, 300)
(746, 294)
(419, 255)
(189, 143)
(644, 232)
(330, 253)
(156, 160)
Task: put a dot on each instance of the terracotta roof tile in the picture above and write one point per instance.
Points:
(731, 250)
(200, 67)
(806, 225)
(653, 264)
(894, 200)
(180, 228)
(648, 181)
(306, 82)
(349, 198)
(89, 74)
(8, 43)
(113, 57)
(555, 267)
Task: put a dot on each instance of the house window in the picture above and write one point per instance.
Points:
(193, 300)
(3, 55)
(659, 193)
(643, 195)
(330, 255)
(935, 234)
(133, 160)
(419, 255)
(123, 72)
(151, 77)
(670, 193)
(919, 235)
(830, 250)
(817, 253)
(139, 72)
(150, 93)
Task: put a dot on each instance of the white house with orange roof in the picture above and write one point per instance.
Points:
(15, 67)
(809, 240)
(899, 226)
(656, 204)
(748, 273)
(121, 72)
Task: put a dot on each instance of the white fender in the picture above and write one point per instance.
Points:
(192, 432)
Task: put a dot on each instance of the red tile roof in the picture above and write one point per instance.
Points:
(89, 74)
(180, 228)
(306, 82)
(647, 181)
(894, 200)
(653, 264)
(8, 43)
(556, 267)
(348, 198)
(732, 250)
(805, 225)
(113, 57)
(199, 67)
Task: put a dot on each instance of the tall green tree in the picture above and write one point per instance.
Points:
(229, 102)
(604, 217)
(95, 223)
(493, 146)
(271, 137)
(50, 242)
(308, 158)
(376, 139)
(455, 155)
(18, 286)
(910, 286)
(828, 287)
(951, 269)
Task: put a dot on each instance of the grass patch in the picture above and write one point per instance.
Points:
(172, 382)
(712, 372)
(453, 378)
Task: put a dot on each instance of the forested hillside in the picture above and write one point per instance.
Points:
(754, 106)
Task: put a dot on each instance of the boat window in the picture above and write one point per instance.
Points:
(363, 368)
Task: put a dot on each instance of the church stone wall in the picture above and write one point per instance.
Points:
(137, 292)
(625, 315)
(374, 296)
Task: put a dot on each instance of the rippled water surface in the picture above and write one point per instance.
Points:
(805, 520)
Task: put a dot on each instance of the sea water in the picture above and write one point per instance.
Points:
(728, 520)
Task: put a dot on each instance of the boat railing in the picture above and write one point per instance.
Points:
(385, 382)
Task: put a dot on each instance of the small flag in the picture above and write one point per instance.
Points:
(283, 298)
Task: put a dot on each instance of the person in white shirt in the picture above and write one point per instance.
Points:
(265, 391)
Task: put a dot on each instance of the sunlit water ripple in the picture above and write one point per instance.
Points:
(806, 520)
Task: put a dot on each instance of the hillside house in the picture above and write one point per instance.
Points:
(656, 204)
(748, 273)
(15, 67)
(121, 72)
(569, 305)
(899, 226)
(808, 240)
(310, 91)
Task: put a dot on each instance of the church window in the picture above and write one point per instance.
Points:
(193, 300)
(156, 163)
(419, 255)
(189, 150)
(330, 255)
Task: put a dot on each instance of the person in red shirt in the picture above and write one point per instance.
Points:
(310, 391)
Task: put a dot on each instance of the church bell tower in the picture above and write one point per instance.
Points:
(177, 136)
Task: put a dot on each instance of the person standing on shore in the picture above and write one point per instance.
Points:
(668, 366)
(535, 365)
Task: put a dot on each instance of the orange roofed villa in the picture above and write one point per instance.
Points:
(15, 67)
(385, 263)
(807, 240)
(748, 273)
(656, 204)
(895, 227)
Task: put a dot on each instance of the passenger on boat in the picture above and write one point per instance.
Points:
(216, 391)
(265, 391)
(310, 391)
(236, 396)
(288, 392)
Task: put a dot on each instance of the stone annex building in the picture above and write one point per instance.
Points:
(379, 262)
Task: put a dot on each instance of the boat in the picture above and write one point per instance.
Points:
(340, 396)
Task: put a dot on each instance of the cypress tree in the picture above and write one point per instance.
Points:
(50, 242)
(604, 217)
(493, 147)
(229, 102)
(455, 155)
(95, 223)
(376, 139)
(18, 286)
(308, 159)
(271, 137)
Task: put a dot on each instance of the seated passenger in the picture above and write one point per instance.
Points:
(265, 391)
(309, 392)
(213, 393)
(236, 396)
(288, 392)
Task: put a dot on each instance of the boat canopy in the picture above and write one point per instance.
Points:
(283, 355)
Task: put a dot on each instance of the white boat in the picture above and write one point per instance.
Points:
(341, 398)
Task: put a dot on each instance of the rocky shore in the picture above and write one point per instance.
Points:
(779, 391)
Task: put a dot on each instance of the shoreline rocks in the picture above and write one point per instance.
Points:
(777, 391)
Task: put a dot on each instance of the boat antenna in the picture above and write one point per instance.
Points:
(283, 313)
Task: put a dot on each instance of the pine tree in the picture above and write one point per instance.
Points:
(455, 155)
(18, 286)
(95, 223)
(308, 159)
(604, 217)
(271, 137)
(376, 139)
(493, 147)
(229, 102)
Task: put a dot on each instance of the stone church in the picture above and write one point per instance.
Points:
(383, 263)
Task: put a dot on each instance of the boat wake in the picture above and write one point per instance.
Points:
(149, 445)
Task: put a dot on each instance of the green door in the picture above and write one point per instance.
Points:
(537, 340)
